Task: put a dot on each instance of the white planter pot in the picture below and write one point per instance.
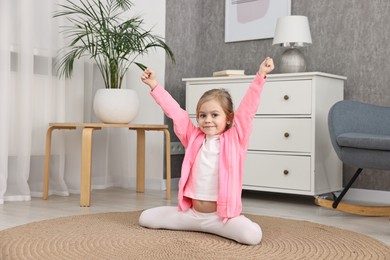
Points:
(116, 106)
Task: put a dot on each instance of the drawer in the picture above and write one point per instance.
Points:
(194, 92)
(277, 98)
(277, 171)
(286, 98)
(281, 134)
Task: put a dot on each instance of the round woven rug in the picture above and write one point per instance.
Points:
(118, 236)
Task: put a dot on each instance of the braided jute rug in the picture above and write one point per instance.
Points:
(118, 236)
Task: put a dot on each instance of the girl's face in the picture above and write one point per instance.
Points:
(212, 119)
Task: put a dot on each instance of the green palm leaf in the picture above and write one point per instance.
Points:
(98, 31)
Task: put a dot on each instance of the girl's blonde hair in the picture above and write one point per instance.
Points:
(223, 97)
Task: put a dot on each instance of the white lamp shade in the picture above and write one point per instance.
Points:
(291, 31)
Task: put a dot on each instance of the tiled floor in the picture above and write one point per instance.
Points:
(259, 203)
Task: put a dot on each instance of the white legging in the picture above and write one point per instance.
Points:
(239, 228)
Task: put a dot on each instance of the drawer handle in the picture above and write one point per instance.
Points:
(286, 97)
(285, 172)
(286, 135)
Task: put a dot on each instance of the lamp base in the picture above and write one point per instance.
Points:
(292, 61)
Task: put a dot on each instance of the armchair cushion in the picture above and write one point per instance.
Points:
(364, 141)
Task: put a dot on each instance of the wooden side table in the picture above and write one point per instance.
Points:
(86, 155)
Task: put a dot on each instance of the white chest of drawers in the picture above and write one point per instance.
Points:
(289, 150)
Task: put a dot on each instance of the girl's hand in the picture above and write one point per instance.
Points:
(266, 67)
(149, 78)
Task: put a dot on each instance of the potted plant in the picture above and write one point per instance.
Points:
(98, 30)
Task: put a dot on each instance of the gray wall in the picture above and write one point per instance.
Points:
(349, 39)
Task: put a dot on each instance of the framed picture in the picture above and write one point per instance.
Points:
(253, 19)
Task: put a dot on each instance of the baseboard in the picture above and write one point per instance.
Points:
(174, 184)
(39, 194)
(368, 196)
(156, 184)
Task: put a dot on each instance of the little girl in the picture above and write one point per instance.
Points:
(210, 186)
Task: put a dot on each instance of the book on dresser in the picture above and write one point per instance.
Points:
(224, 73)
(289, 149)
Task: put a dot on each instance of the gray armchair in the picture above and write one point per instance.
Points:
(360, 135)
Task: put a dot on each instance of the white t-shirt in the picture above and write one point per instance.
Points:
(203, 180)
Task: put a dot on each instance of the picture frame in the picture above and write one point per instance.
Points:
(253, 19)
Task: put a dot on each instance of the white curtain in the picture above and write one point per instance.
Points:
(31, 96)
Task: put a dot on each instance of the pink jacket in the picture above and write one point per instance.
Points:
(233, 147)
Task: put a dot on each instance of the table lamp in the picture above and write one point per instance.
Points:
(292, 32)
